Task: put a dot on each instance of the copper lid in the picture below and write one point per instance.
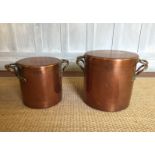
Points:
(112, 54)
(38, 62)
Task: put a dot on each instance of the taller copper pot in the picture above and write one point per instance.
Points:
(40, 80)
(109, 77)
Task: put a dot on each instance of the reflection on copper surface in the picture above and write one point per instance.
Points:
(41, 82)
(108, 78)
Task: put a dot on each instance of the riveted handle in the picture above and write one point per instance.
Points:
(66, 62)
(142, 67)
(11, 67)
(14, 68)
(79, 60)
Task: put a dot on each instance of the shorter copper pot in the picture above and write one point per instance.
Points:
(40, 80)
(109, 77)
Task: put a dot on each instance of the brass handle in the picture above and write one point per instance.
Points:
(14, 68)
(142, 67)
(66, 62)
(80, 59)
(11, 68)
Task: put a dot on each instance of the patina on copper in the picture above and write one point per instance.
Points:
(109, 77)
(40, 80)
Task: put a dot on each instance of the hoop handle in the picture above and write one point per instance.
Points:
(14, 69)
(81, 59)
(66, 62)
(141, 68)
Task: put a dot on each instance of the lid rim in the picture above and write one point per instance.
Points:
(30, 62)
(36, 67)
(103, 55)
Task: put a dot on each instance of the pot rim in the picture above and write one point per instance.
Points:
(19, 62)
(134, 56)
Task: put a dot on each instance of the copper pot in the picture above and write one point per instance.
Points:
(109, 77)
(40, 80)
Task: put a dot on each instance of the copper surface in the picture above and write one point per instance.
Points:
(109, 77)
(40, 80)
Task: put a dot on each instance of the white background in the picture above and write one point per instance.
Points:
(68, 40)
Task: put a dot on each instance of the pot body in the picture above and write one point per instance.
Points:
(108, 83)
(108, 80)
(41, 82)
(42, 87)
